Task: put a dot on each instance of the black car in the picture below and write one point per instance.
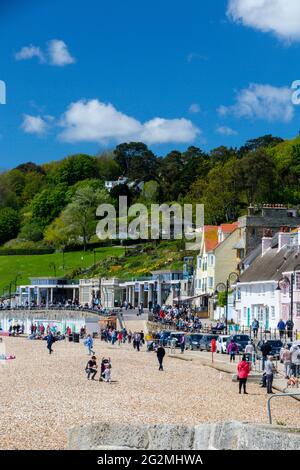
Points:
(275, 344)
(240, 340)
(193, 341)
(205, 342)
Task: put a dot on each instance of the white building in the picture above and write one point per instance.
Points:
(259, 294)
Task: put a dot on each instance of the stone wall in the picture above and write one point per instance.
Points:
(46, 314)
(217, 436)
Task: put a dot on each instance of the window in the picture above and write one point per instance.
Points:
(273, 312)
(211, 260)
(297, 281)
(285, 312)
(272, 290)
(199, 260)
(210, 282)
(298, 310)
(245, 313)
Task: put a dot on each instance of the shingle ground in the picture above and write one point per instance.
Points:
(42, 396)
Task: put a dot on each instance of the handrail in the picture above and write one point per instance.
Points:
(278, 395)
(108, 312)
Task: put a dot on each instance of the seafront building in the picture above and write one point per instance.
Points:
(216, 260)
(265, 290)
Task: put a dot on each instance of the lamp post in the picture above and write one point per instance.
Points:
(221, 287)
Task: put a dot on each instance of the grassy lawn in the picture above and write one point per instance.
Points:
(43, 265)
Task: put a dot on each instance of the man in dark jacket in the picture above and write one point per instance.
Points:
(290, 327)
(266, 348)
(160, 356)
(50, 341)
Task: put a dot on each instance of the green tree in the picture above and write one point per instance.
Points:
(9, 224)
(266, 141)
(136, 161)
(75, 168)
(79, 216)
(108, 168)
(47, 204)
(257, 177)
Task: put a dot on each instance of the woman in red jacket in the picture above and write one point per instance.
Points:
(243, 372)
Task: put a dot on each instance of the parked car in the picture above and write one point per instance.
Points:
(240, 340)
(221, 344)
(193, 341)
(205, 342)
(276, 346)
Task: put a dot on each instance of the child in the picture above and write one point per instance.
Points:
(106, 373)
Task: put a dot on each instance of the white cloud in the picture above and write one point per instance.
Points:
(28, 52)
(262, 102)
(224, 130)
(281, 17)
(160, 131)
(195, 108)
(35, 124)
(195, 56)
(59, 54)
(93, 121)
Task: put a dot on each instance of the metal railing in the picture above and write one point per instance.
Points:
(68, 308)
(278, 395)
(261, 334)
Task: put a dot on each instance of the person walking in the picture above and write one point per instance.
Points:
(281, 328)
(286, 358)
(182, 343)
(243, 373)
(120, 337)
(92, 368)
(270, 370)
(138, 341)
(113, 337)
(50, 341)
(255, 327)
(89, 343)
(250, 352)
(232, 350)
(266, 348)
(129, 336)
(295, 359)
(160, 356)
(290, 327)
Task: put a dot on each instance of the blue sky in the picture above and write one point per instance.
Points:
(84, 76)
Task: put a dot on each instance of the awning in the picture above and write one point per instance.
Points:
(184, 298)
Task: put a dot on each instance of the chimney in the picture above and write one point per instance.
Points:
(251, 210)
(266, 240)
(266, 244)
(283, 238)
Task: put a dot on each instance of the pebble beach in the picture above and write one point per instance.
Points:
(43, 396)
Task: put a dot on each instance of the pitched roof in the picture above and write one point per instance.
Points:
(210, 237)
(229, 228)
(271, 266)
